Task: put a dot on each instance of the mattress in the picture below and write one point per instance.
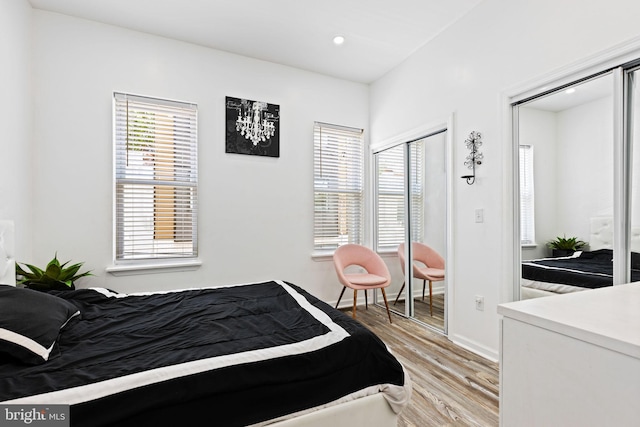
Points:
(167, 358)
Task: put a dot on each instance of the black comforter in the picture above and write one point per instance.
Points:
(174, 358)
(591, 270)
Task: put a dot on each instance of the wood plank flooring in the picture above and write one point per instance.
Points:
(421, 308)
(451, 386)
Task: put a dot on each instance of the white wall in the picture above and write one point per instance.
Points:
(256, 213)
(16, 168)
(584, 166)
(466, 70)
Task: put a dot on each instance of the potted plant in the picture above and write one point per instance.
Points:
(565, 246)
(55, 276)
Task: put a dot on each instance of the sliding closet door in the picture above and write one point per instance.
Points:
(428, 223)
(411, 207)
(588, 188)
(567, 165)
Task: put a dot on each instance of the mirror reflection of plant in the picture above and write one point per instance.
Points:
(566, 243)
(55, 276)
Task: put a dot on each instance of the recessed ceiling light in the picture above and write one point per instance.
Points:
(338, 40)
(570, 90)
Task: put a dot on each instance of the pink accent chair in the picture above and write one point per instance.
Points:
(376, 276)
(433, 269)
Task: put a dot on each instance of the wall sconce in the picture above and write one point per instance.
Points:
(473, 141)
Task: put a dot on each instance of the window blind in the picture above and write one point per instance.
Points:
(156, 178)
(527, 211)
(338, 185)
(416, 185)
(390, 196)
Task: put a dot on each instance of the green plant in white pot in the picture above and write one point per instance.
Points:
(564, 246)
(54, 276)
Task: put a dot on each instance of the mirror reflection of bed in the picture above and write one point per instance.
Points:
(586, 269)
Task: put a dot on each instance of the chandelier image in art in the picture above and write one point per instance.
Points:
(253, 124)
(252, 127)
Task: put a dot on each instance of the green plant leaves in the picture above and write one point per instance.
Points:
(566, 243)
(54, 276)
(53, 271)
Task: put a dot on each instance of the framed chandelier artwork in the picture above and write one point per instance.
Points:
(253, 127)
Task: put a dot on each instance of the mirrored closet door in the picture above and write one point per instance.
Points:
(577, 170)
(633, 131)
(411, 223)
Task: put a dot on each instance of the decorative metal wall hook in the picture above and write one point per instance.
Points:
(473, 141)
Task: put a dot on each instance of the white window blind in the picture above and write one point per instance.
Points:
(338, 185)
(390, 196)
(527, 211)
(416, 164)
(156, 179)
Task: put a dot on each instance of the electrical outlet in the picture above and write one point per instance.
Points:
(479, 303)
(479, 215)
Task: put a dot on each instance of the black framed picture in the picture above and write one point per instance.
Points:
(253, 127)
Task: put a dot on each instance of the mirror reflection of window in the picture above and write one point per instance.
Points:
(527, 197)
(390, 199)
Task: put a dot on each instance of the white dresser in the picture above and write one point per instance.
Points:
(571, 360)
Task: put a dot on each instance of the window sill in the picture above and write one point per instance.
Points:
(322, 255)
(328, 255)
(152, 268)
(529, 246)
(388, 253)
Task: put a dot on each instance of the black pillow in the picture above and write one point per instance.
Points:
(605, 255)
(30, 322)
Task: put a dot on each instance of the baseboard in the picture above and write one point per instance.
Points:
(475, 347)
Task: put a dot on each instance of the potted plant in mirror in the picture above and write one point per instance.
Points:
(565, 246)
(55, 276)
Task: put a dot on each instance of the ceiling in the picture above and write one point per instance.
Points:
(579, 94)
(380, 34)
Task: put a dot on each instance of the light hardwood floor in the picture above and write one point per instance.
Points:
(451, 386)
(422, 313)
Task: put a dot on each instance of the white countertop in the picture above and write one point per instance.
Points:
(607, 317)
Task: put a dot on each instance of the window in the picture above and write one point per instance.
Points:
(527, 212)
(338, 186)
(417, 190)
(390, 196)
(156, 179)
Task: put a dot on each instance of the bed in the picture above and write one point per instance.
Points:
(266, 353)
(581, 271)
